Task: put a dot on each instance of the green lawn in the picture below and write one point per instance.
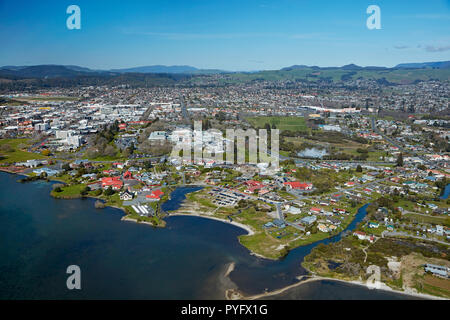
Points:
(69, 192)
(442, 220)
(281, 123)
(17, 155)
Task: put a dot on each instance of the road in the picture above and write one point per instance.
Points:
(184, 111)
(279, 212)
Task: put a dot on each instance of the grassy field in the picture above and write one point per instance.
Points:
(346, 146)
(281, 123)
(69, 192)
(17, 155)
(442, 220)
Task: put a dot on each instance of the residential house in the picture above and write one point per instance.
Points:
(114, 182)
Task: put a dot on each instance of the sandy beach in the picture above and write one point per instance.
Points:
(383, 287)
(126, 218)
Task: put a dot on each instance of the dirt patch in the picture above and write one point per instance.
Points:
(414, 275)
(440, 283)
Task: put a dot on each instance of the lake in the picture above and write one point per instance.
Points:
(314, 153)
(41, 236)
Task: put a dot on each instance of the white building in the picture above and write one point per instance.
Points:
(41, 127)
(158, 136)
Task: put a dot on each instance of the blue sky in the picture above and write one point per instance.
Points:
(230, 35)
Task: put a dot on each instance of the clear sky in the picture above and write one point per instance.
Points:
(229, 35)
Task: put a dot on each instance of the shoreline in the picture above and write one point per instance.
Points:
(125, 217)
(384, 287)
(231, 294)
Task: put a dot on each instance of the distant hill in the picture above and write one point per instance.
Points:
(158, 69)
(47, 71)
(297, 67)
(58, 75)
(168, 69)
(422, 65)
(346, 67)
(59, 71)
(301, 73)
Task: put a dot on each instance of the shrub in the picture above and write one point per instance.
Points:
(6, 148)
(99, 204)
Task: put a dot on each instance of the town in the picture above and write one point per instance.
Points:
(339, 149)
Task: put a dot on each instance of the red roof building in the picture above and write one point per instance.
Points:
(315, 210)
(114, 182)
(156, 194)
(254, 183)
(296, 185)
(128, 175)
(253, 186)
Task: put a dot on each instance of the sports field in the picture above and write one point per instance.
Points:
(281, 123)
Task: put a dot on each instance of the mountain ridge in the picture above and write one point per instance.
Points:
(56, 71)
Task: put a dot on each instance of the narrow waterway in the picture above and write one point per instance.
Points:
(446, 192)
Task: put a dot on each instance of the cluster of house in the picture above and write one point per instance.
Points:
(226, 198)
(297, 185)
(66, 126)
(437, 270)
(363, 236)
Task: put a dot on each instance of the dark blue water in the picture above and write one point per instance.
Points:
(260, 274)
(177, 197)
(41, 236)
(446, 192)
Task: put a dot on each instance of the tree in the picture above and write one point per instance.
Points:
(422, 167)
(147, 164)
(6, 148)
(57, 187)
(126, 153)
(97, 192)
(109, 151)
(109, 192)
(85, 191)
(359, 168)
(66, 167)
(362, 150)
(99, 204)
(400, 160)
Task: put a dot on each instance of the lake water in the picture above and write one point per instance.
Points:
(446, 192)
(313, 153)
(41, 236)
